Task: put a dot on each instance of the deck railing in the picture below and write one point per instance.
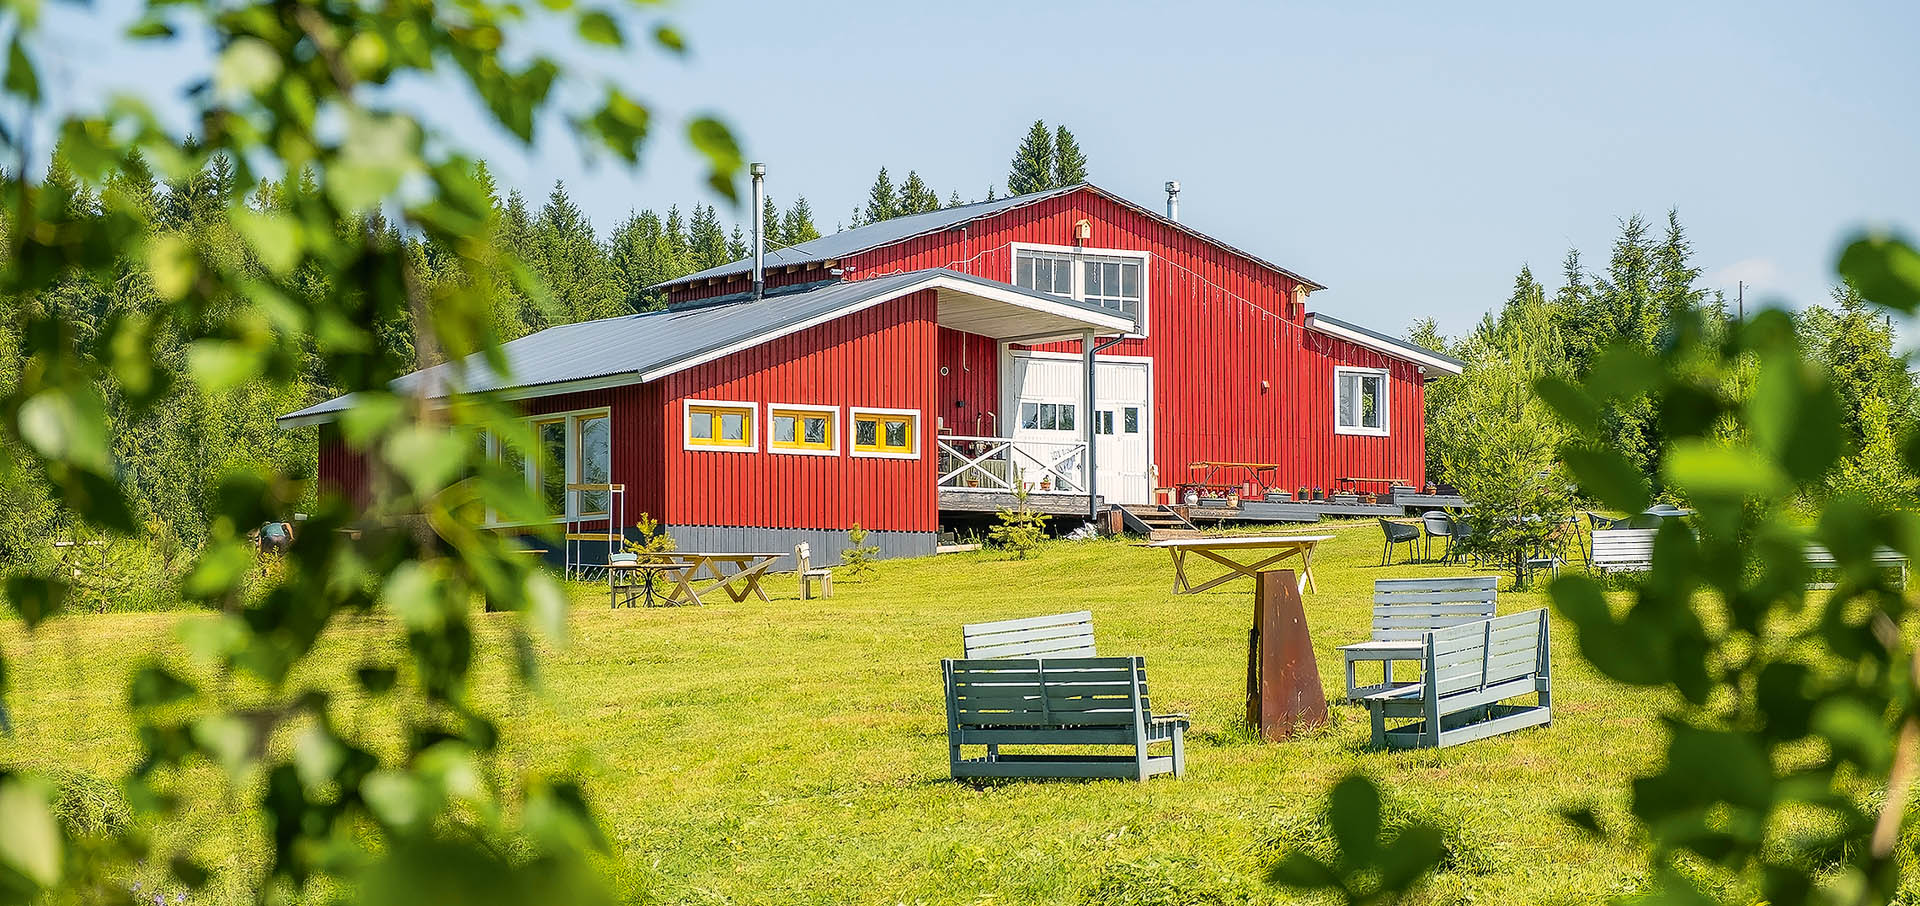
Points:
(970, 463)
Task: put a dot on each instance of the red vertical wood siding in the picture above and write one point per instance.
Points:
(968, 388)
(884, 356)
(341, 470)
(1236, 375)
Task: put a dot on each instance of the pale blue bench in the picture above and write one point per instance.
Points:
(1058, 702)
(1470, 672)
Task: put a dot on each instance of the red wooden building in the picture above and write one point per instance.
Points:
(916, 370)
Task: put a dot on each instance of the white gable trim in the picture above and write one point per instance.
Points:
(1406, 351)
(1089, 319)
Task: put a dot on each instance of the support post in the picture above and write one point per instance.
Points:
(1087, 360)
(1284, 695)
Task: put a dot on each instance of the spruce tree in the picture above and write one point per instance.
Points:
(1032, 167)
(797, 226)
(737, 246)
(707, 240)
(916, 196)
(882, 202)
(1674, 275)
(1069, 164)
(953, 200)
(572, 262)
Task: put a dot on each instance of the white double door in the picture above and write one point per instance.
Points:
(1047, 406)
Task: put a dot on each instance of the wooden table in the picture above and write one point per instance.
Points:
(1275, 547)
(695, 574)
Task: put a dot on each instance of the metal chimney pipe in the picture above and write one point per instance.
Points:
(759, 172)
(1173, 200)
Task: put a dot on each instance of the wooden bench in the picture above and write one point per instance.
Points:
(1819, 558)
(1470, 669)
(1058, 702)
(1059, 635)
(813, 582)
(1404, 611)
(1621, 550)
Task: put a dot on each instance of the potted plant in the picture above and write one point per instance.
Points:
(1431, 490)
(1046, 482)
(1301, 494)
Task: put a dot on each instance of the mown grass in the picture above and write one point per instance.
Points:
(793, 752)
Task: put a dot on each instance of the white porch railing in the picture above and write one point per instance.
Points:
(997, 463)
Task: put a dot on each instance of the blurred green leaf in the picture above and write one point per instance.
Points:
(670, 39)
(1886, 270)
(32, 844)
(1608, 477)
(712, 138)
(68, 424)
(36, 598)
(596, 27)
(1710, 469)
(21, 79)
(155, 686)
(1353, 811)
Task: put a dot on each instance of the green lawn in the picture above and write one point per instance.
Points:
(794, 752)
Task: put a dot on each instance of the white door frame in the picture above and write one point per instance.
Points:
(1010, 402)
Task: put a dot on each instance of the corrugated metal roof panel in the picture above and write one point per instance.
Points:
(632, 345)
(888, 232)
(1391, 343)
(859, 239)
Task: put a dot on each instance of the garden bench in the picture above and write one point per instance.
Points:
(1404, 611)
(1621, 550)
(1059, 635)
(1058, 702)
(1470, 669)
(1818, 557)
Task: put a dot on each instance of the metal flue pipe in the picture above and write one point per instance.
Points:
(1173, 200)
(759, 172)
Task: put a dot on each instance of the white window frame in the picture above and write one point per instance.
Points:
(919, 436)
(1079, 253)
(1386, 401)
(570, 468)
(1072, 407)
(833, 438)
(686, 426)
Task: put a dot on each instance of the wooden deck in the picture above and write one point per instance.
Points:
(956, 500)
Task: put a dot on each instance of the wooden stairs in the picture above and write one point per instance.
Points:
(1157, 523)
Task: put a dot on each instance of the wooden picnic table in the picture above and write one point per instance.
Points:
(694, 574)
(1276, 548)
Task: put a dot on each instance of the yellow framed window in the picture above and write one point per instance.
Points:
(886, 432)
(719, 426)
(802, 429)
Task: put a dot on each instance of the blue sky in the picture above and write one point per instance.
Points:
(1409, 156)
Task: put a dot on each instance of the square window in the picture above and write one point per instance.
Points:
(896, 433)
(866, 433)
(783, 429)
(1360, 401)
(816, 430)
(702, 425)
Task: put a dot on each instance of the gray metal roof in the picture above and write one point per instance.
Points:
(1388, 340)
(888, 232)
(633, 345)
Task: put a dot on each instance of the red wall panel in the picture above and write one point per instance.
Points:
(968, 386)
(884, 356)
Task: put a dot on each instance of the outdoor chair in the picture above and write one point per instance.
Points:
(1437, 525)
(1397, 533)
(1603, 523)
(1646, 520)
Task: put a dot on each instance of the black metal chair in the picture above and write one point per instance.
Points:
(1396, 533)
(1437, 525)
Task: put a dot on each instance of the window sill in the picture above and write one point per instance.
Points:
(721, 448)
(801, 451)
(876, 454)
(1361, 432)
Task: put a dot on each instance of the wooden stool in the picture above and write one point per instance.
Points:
(810, 577)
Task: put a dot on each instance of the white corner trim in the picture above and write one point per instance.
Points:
(753, 426)
(834, 433)
(919, 439)
(1405, 352)
(1386, 402)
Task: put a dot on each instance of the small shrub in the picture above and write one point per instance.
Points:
(1020, 529)
(653, 538)
(857, 559)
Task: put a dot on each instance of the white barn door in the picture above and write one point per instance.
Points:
(1046, 405)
